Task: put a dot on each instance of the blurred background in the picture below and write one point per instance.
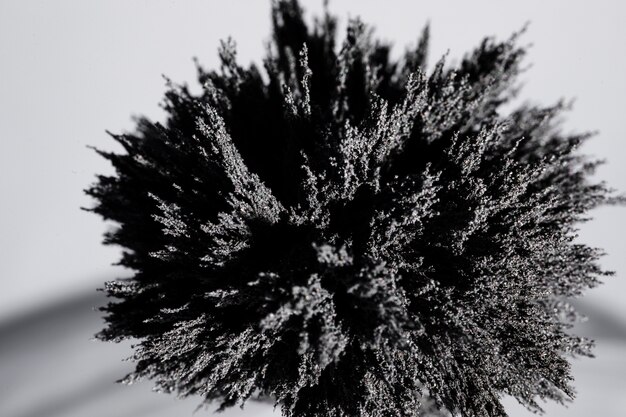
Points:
(71, 69)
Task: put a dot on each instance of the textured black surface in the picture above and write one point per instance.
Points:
(352, 235)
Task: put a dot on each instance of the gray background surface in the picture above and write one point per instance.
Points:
(71, 69)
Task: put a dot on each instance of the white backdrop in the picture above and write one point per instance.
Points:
(71, 69)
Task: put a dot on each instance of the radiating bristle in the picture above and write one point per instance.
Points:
(352, 235)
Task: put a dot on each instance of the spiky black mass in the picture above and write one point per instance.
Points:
(352, 235)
